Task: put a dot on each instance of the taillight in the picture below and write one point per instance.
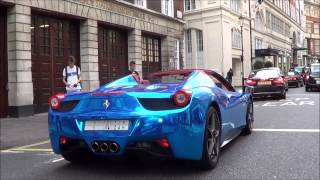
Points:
(164, 143)
(182, 97)
(294, 78)
(278, 81)
(55, 100)
(251, 82)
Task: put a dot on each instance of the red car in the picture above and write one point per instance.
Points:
(294, 79)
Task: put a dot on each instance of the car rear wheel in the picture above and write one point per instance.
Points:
(307, 88)
(283, 95)
(249, 120)
(211, 143)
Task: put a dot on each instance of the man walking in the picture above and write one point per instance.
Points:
(71, 76)
(229, 75)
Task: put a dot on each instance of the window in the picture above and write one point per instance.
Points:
(309, 27)
(235, 5)
(236, 38)
(259, 22)
(44, 32)
(151, 57)
(189, 5)
(316, 28)
(188, 41)
(167, 7)
(221, 82)
(276, 24)
(58, 45)
(287, 29)
(141, 3)
(258, 42)
(199, 40)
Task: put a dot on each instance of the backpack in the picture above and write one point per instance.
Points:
(66, 70)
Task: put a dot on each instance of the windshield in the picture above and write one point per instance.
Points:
(298, 69)
(315, 68)
(291, 73)
(168, 78)
(265, 74)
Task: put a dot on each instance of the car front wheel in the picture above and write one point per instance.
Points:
(211, 143)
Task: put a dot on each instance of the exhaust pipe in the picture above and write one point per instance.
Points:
(104, 147)
(95, 146)
(114, 147)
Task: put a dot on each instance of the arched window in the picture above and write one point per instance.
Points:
(259, 25)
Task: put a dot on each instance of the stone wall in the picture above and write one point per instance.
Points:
(90, 14)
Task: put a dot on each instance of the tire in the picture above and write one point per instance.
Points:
(249, 119)
(211, 142)
(283, 95)
(307, 89)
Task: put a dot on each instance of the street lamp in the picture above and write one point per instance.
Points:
(241, 21)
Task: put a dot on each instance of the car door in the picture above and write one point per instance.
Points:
(234, 107)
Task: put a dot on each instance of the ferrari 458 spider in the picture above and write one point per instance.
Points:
(184, 114)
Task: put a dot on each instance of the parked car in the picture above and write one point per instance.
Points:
(313, 77)
(294, 79)
(185, 114)
(266, 83)
(282, 75)
(300, 69)
(307, 71)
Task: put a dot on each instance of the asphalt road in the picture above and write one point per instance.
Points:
(284, 145)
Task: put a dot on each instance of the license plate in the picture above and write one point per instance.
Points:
(106, 125)
(317, 82)
(264, 83)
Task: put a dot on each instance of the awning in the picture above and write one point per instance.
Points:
(267, 52)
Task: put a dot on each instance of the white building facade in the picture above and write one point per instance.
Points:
(213, 36)
(278, 32)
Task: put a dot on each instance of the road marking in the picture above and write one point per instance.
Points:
(34, 150)
(288, 130)
(29, 147)
(57, 160)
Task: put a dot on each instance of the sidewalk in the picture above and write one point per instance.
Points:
(21, 131)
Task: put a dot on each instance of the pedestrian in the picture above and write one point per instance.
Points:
(229, 75)
(132, 68)
(72, 76)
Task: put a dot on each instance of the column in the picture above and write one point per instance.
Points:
(89, 54)
(19, 61)
(135, 49)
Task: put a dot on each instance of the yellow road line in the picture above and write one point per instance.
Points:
(35, 150)
(28, 146)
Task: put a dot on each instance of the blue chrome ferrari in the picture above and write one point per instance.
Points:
(185, 114)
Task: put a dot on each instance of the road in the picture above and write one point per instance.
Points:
(284, 145)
